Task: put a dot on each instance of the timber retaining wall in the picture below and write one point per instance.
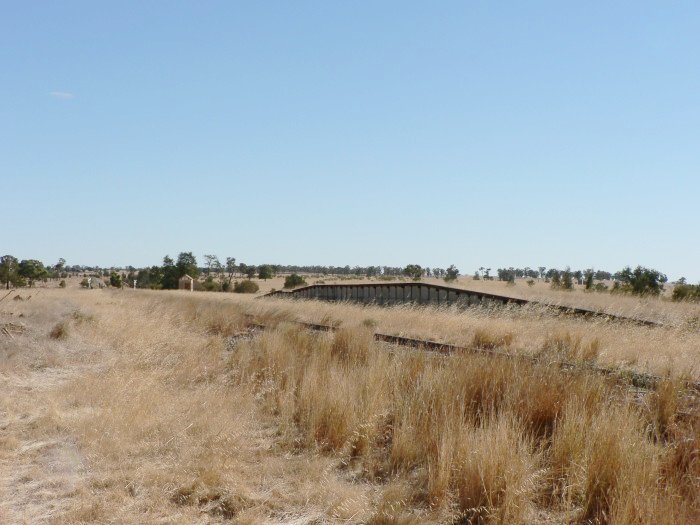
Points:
(424, 294)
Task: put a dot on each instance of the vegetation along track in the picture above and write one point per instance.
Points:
(432, 294)
(635, 379)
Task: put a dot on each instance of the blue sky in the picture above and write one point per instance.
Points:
(474, 133)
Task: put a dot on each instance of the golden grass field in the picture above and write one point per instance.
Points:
(122, 406)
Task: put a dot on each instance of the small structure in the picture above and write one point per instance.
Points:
(186, 283)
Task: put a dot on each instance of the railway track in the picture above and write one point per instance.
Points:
(634, 379)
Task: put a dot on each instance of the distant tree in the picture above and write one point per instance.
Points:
(588, 279)
(58, 267)
(230, 268)
(542, 269)
(294, 280)
(212, 263)
(567, 282)
(8, 270)
(187, 265)
(115, 280)
(32, 270)
(250, 271)
(169, 274)
(640, 281)
(413, 271)
(555, 278)
(265, 272)
(451, 273)
(600, 275)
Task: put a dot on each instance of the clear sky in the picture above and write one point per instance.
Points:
(328, 132)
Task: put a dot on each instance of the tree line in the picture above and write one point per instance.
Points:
(222, 275)
(26, 272)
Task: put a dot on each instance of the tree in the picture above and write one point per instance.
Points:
(32, 270)
(294, 280)
(413, 271)
(451, 273)
(230, 268)
(187, 265)
(169, 274)
(58, 267)
(556, 279)
(567, 282)
(212, 262)
(115, 280)
(588, 279)
(542, 269)
(250, 271)
(8, 270)
(640, 281)
(265, 272)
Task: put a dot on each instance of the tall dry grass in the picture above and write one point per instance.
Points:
(490, 441)
(172, 413)
(525, 330)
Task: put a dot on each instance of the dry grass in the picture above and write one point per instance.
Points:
(526, 330)
(145, 413)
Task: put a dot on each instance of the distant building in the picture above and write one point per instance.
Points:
(186, 283)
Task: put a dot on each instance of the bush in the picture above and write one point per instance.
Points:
(245, 287)
(293, 281)
(62, 284)
(686, 292)
(210, 285)
(60, 331)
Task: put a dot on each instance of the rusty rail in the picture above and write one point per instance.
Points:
(635, 379)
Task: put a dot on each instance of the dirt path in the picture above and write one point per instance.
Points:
(40, 466)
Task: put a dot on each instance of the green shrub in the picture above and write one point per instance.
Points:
(686, 292)
(210, 285)
(62, 284)
(115, 280)
(293, 281)
(245, 287)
